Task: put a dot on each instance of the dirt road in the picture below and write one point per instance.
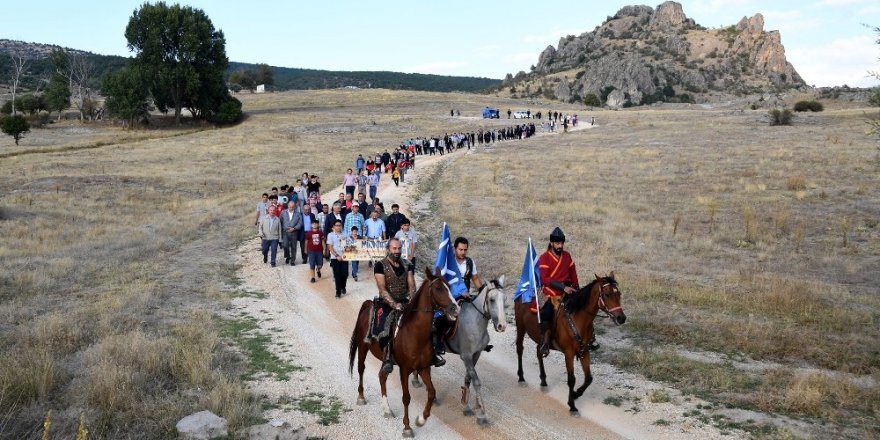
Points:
(315, 328)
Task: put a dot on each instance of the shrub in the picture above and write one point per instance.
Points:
(813, 106)
(780, 117)
(591, 100)
(228, 112)
(16, 126)
(6, 109)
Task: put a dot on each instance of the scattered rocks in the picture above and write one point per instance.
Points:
(276, 429)
(202, 425)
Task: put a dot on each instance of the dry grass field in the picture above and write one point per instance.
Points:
(748, 254)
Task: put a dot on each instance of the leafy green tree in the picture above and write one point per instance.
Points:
(27, 104)
(16, 126)
(591, 100)
(181, 54)
(264, 75)
(244, 79)
(6, 109)
(58, 92)
(127, 95)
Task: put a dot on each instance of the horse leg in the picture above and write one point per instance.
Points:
(520, 335)
(588, 376)
(363, 350)
(432, 394)
(541, 368)
(569, 368)
(404, 385)
(415, 380)
(468, 365)
(386, 409)
(478, 395)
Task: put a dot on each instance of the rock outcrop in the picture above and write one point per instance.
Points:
(646, 53)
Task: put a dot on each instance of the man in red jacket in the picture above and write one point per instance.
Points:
(559, 278)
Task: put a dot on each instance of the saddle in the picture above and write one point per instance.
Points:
(382, 318)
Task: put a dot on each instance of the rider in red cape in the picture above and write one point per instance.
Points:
(559, 278)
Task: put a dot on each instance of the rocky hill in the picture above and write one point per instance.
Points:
(643, 55)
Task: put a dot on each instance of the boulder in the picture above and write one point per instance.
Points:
(616, 99)
(563, 91)
(202, 425)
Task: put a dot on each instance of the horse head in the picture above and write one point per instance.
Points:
(440, 294)
(609, 298)
(495, 304)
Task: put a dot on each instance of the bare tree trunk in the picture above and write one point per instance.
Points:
(18, 66)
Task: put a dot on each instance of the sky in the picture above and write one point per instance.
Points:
(826, 40)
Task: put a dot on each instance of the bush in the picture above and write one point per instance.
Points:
(6, 109)
(591, 100)
(228, 112)
(780, 117)
(15, 126)
(813, 106)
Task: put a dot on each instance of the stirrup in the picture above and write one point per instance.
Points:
(387, 366)
(544, 349)
(438, 361)
(593, 346)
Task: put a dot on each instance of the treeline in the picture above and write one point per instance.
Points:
(286, 78)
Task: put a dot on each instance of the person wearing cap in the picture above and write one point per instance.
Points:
(558, 278)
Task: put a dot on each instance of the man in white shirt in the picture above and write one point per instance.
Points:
(408, 240)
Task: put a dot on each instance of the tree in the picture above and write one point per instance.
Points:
(58, 93)
(127, 95)
(16, 126)
(18, 66)
(874, 123)
(244, 79)
(263, 75)
(591, 100)
(27, 104)
(181, 54)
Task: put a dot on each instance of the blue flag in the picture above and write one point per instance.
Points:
(530, 280)
(448, 266)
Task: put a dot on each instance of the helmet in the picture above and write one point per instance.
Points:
(557, 235)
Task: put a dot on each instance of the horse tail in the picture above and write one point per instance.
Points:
(353, 344)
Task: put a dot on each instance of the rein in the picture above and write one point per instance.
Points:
(583, 346)
(429, 309)
(485, 311)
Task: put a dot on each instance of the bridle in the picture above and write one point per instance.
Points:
(487, 315)
(602, 306)
(433, 308)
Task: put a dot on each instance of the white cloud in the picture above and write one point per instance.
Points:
(438, 67)
(841, 61)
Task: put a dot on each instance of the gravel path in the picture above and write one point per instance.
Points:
(316, 327)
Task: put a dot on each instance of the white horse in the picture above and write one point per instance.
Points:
(472, 337)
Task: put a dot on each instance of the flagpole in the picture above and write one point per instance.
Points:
(534, 281)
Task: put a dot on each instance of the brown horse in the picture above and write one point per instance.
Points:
(571, 329)
(411, 347)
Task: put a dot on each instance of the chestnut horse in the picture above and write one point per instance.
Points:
(412, 349)
(571, 329)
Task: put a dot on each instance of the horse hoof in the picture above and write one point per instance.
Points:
(416, 384)
(408, 433)
(521, 380)
(574, 413)
(543, 384)
(483, 421)
(361, 401)
(420, 420)
(389, 415)
(468, 412)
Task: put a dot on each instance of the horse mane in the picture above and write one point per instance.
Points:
(581, 299)
(406, 313)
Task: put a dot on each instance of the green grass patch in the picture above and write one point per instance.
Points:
(613, 400)
(327, 408)
(255, 345)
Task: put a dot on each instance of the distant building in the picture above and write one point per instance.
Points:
(261, 88)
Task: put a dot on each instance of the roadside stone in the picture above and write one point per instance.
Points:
(202, 425)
